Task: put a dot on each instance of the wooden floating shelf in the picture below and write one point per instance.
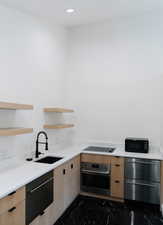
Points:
(58, 110)
(58, 126)
(14, 131)
(14, 106)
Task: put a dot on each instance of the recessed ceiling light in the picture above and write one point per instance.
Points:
(70, 10)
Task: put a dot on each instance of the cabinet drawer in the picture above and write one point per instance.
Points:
(117, 188)
(117, 172)
(117, 160)
(95, 158)
(14, 216)
(11, 200)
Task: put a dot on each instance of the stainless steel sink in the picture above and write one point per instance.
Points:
(49, 160)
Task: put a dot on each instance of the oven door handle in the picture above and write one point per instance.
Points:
(35, 189)
(95, 172)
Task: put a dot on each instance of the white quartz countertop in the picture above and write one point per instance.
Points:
(18, 174)
(23, 173)
(121, 152)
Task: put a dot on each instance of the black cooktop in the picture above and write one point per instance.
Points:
(99, 149)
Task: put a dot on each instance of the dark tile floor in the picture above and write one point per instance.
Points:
(92, 211)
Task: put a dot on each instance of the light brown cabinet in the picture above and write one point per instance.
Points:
(75, 177)
(12, 199)
(14, 216)
(117, 177)
(12, 208)
(58, 192)
(93, 158)
(71, 181)
(66, 185)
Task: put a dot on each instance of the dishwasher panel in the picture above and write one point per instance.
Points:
(142, 191)
(39, 195)
(142, 169)
(142, 180)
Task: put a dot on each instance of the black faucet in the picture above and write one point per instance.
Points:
(44, 143)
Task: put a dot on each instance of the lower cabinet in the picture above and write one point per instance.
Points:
(12, 208)
(71, 181)
(59, 174)
(67, 185)
(117, 177)
(66, 189)
(14, 216)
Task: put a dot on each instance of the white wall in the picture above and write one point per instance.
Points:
(32, 63)
(115, 70)
(161, 133)
(113, 79)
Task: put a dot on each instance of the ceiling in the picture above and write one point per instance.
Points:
(86, 11)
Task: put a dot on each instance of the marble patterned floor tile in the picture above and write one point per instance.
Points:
(92, 211)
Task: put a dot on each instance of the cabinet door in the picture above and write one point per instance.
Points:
(67, 186)
(14, 216)
(12, 199)
(117, 177)
(117, 189)
(71, 181)
(75, 177)
(59, 176)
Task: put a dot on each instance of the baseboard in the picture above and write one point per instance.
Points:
(102, 197)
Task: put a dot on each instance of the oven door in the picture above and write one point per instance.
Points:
(98, 183)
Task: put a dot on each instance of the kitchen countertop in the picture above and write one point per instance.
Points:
(24, 172)
(21, 173)
(121, 152)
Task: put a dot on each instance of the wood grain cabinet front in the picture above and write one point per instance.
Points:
(59, 174)
(117, 177)
(14, 215)
(66, 186)
(93, 158)
(12, 199)
(72, 181)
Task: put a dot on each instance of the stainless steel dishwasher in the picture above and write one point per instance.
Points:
(142, 180)
(39, 195)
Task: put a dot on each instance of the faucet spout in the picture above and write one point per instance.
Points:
(37, 143)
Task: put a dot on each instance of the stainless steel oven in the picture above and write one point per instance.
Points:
(142, 180)
(95, 178)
